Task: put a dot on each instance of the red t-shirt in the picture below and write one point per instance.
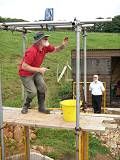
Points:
(34, 57)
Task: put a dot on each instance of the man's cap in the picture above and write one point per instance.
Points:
(38, 36)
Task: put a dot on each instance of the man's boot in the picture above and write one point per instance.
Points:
(41, 103)
(26, 105)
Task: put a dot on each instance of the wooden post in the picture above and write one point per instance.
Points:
(83, 145)
(80, 145)
(27, 143)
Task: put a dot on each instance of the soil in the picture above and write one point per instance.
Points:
(102, 157)
(97, 157)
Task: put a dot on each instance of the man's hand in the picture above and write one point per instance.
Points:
(42, 70)
(29, 68)
(65, 41)
(62, 46)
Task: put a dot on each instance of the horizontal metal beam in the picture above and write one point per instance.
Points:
(43, 23)
(12, 28)
(54, 23)
(93, 21)
(29, 28)
(24, 26)
(44, 27)
(87, 25)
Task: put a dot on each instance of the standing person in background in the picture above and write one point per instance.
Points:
(31, 72)
(96, 87)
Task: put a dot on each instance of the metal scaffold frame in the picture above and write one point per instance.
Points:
(2, 148)
(81, 136)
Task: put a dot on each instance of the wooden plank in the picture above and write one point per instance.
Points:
(114, 109)
(88, 122)
(110, 126)
(102, 115)
(27, 143)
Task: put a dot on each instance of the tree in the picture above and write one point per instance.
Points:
(113, 26)
(11, 20)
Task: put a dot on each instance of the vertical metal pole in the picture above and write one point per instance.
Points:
(2, 148)
(85, 63)
(24, 41)
(78, 29)
(57, 71)
(27, 143)
(24, 48)
(104, 102)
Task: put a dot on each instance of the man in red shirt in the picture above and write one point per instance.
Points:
(31, 73)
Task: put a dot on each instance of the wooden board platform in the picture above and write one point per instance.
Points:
(114, 109)
(88, 122)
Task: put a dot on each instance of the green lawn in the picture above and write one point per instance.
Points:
(11, 53)
(62, 144)
(62, 141)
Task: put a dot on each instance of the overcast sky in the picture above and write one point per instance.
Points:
(63, 9)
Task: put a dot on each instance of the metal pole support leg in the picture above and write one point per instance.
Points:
(2, 147)
(104, 103)
(78, 30)
(83, 145)
(0, 152)
(27, 143)
(24, 48)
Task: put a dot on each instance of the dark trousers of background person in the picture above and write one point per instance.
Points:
(96, 103)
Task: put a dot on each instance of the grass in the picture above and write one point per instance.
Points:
(62, 141)
(96, 146)
(11, 53)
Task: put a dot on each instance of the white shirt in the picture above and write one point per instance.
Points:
(96, 88)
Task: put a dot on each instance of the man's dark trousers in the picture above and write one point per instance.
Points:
(96, 103)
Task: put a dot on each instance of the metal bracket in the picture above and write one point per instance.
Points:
(77, 130)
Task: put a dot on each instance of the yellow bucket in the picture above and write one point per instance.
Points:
(69, 110)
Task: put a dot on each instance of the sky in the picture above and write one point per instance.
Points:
(32, 10)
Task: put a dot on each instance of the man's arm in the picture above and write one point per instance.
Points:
(29, 68)
(62, 46)
(90, 88)
(102, 87)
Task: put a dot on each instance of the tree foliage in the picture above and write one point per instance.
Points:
(113, 26)
(10, 20)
